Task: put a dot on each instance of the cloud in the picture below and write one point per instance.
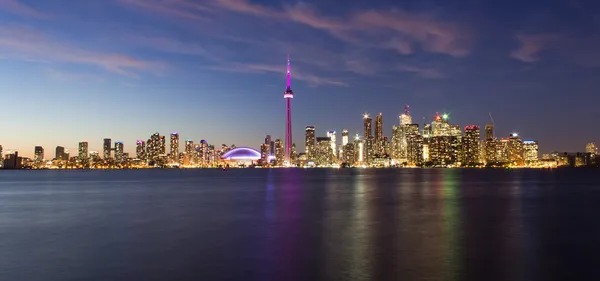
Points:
(175, 8)
(243, 6)
(266, 68)
(530, 47)
(16, 7)
(422, 71)
(23, 43)
(169, 45)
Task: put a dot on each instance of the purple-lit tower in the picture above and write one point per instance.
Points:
(288, 96)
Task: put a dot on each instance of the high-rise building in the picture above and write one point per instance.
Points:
(83, 150)
(162, 147)
(294, 155)
(349, 154)
(323, 154)
(359, 150)
(59, 153)
(271, 144)
(502, 150)
(414, 149)
(204, 152)
(489, 132)
(470, 146)
(279, 153)
(530, 151)
(107, 148)
(379, 127)
(515, 150)
(288, 95)
(38, 154)
(94, 156)
(443, 150)
(368, 133)
(405, 118)
(265, 151)
(310, 143)
(140, 150)
(331, 135)
(396, 145)
(490, 148)
(119, 158)
(591, 148)
(1, 155)
(174, 151)
(153, 147)
(344, 137)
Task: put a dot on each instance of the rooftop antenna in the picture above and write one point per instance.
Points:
(491, 118)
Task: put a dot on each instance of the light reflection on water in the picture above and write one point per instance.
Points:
(296, 224)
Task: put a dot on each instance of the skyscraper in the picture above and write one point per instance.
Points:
(279, 153)
(140, 150)
(153, 147)
(414, 149)
(59, 153)
(323, 155)
(310, 142)
(379, 127)
(344, 137)
(265, 151)
(83, 151)
(119, 152)
(188, 155)
(591, 148)
(38, 153)
(107, 148)
(489, 132)
(174, 151)
(470, 146)
(288, 95)
(530, 151)
(331, 135)
(515, 150)
(162, 146)
(368, 133)
(405, 118)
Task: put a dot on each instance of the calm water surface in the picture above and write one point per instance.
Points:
(295, 224)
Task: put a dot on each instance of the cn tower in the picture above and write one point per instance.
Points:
(288, 95)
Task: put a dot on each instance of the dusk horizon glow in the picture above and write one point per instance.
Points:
(215, 70)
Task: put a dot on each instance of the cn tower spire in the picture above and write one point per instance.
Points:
(289, 74)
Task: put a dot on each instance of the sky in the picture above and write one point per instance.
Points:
(74, 70)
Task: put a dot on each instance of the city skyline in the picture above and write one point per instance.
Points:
(135, 67)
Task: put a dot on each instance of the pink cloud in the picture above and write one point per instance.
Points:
(531, 46)
(244, 6)
(22, 43)
(433, 35)
(16, 7)
(176, 8)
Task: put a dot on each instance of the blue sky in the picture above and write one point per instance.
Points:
(215, 69)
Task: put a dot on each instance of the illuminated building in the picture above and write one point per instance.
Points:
(294, 155)
(470, 146)
(414, 149)
(241, 156)
(1, 155)
(502, 150)
(490, 147)
(188, 155)
(288, 95)
(368, 133)
(197, 156)
(323, 153)
(489, 132)
(107, 148)
(119, 158)
(94, 156)
(515, 150)
(38, 153)
(83, 150)
(379, 127)
(369, 148)
(271, 144)
(310, 143)
(140, 150)
(591, 148)
(443, 150)
(265, 152)
(279, 153)
(203, 152)
(530, 151)
(153, 147)
(427, 131)
(59, 153)
(359, 150)
(162, 146)
(344, 137)
(174, 151)
(331, 135)
(396, 143)
(405, 118)
(349, 154)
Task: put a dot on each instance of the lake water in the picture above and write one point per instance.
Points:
(296, 224)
